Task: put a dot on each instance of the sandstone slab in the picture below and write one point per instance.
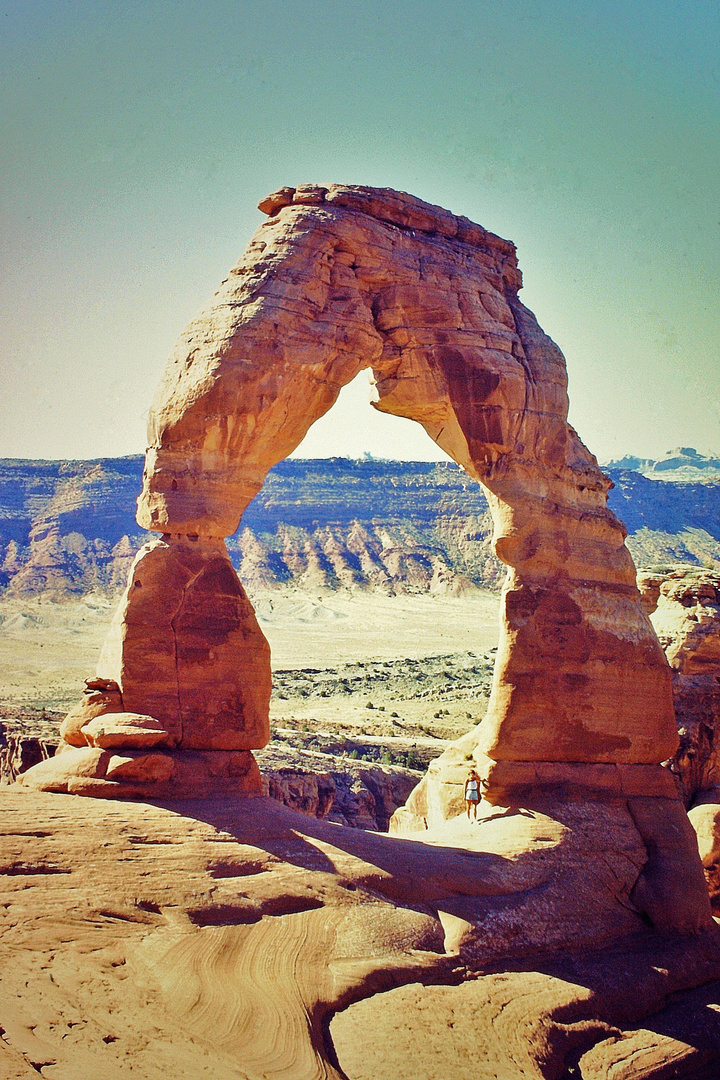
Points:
(219, 938)
(125, 729)
(139, 774)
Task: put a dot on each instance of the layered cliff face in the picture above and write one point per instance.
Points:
(68, 528)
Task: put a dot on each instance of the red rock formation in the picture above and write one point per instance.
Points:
(685, 606)
(337, 279)
(342, 278)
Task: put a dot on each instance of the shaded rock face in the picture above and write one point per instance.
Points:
(356, 795)
(20, 751)
(685, 608)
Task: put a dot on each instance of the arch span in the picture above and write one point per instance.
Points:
(337, 279)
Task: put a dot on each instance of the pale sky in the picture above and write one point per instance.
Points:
(137, 136)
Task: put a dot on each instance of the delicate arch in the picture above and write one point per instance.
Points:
(342, 278)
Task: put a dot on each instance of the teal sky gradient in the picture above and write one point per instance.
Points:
(137, 137)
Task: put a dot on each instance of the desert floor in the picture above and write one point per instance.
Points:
(386, 666)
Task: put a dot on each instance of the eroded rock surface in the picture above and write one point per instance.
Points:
(20, 750)
(338, 279)
(219, 937)
(684, 603)
(353, 793)
(342, 278)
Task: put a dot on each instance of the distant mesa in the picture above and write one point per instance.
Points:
(69, 528)
(682, 464)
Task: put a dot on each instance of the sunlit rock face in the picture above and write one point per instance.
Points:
(337, 279)
(240, 918)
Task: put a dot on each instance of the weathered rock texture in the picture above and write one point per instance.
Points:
(684, 603)
(344, 278)
(20, 750)
(233, 938)
(352, 793)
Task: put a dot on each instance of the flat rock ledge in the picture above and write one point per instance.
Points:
(232, 937)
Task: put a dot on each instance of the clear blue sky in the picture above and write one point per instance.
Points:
(137, 138)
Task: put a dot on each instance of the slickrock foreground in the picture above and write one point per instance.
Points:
(254, 942)
(233, 938)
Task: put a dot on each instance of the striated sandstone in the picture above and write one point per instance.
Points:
(230, 937)
(185, 647)
(362, 277)
(342, 278)
(338, 279)
(685, 609)
(99, 697)
(125, 729)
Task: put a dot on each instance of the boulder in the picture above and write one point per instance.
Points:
(100, 696)
(129, 730)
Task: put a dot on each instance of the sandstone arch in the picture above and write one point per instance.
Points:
(335, 280)
(343, 278)
(339, 278)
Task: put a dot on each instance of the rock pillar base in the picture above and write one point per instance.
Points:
(512, 782)
(146, 774)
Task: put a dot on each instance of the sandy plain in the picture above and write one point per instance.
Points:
(338, 658)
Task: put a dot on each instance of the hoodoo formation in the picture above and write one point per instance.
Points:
(338, 279)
